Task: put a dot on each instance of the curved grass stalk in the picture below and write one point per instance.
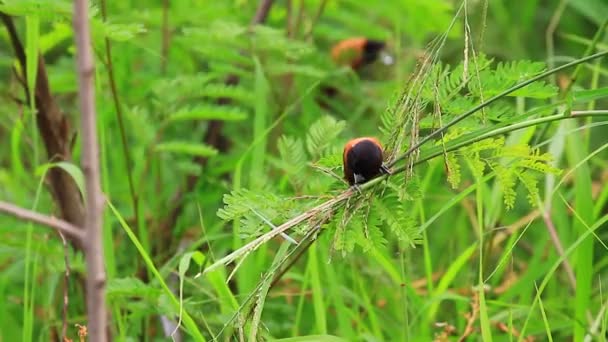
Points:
(491, 100)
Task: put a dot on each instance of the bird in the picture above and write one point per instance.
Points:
(359, 51)
(356, 53)
(362, 158)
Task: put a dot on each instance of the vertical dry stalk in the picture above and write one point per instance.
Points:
(262, 12)
(54, 128)
(95, 283)
(66, 284)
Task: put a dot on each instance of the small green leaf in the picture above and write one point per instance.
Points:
(73, 170)
(121, 32)
(184, 264)
(199, 258)
(224, 113)
(322, 134)
(16, 161)
(130, 287)
(590, 95)
(200, 150)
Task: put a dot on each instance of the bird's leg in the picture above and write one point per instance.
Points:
(357, 188)
(385, 169)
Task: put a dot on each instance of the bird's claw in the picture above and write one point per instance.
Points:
(386, 170)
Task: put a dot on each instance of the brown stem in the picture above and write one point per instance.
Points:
(471, 318)
(289, 20)
(27, 215)
(299, 18)
(66, 289)
(262, 12)
(559, 248)
(17, 47)
(165, 38)
(96, 277)
(54, 128)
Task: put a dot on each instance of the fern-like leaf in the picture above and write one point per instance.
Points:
(322, 134)
(209, 112)
(506, 179)
(293, 158)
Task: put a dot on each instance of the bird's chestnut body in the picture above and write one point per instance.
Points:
(357, 51)
(362, 159)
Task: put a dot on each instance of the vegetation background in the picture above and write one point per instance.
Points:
(215, 126)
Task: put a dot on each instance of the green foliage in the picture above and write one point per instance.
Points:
(128, 288)
(207, 112)
(510, 164)
(322, 134)
(200, 150)
(294, 160)
(395, 215)
(364, 223)
(455, 91)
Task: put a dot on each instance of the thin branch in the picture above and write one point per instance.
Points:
(17, 47)
(289, 20)
(491, 100)
(262, 12)
(166, 38)
(315, 19)
(596, 38)
(299, 18)
(276, 272)
(555, 18)
(476, 136)
(559, 248)
(54, 127)
(121, 121)
(254, 244)
(471, 318)
(55, 223)
(96, 278)
(66, 289)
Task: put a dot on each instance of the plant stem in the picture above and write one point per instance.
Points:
(436, 151)
(93, 246)
(60, 225)
(490, 101)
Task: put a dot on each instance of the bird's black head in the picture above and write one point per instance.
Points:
(371, 50)
(364, 161)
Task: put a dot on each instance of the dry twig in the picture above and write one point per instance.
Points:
(471, 318)
(512, 331)
(66, 284)
(60, 225)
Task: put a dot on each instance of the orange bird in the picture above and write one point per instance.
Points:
(357, 51)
